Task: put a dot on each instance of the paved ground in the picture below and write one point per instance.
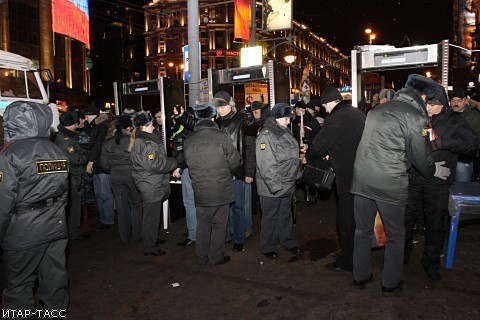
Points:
(111, 280)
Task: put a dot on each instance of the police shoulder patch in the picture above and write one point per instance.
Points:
(151, 156)
(263, 146)
(1, 177)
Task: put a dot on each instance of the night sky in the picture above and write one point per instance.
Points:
(396, 22)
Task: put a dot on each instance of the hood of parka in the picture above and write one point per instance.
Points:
(26, 119)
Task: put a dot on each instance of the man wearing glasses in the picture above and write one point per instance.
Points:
(459, 104)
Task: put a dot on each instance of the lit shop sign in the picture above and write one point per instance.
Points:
(227, 53)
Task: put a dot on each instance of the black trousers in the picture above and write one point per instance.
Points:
(346, 230)
(44, 263)
(74, 205)
(129, 206)
(434, 201)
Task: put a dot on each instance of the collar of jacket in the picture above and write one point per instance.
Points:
(205, 124)
(148, 136)
(65, 131)
(341, 105)
(413, 98)
(100, 118)
(277, 129)
(230, 114)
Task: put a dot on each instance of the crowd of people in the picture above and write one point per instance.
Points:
(398, 157)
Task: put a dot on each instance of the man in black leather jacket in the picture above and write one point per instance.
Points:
(33, 195)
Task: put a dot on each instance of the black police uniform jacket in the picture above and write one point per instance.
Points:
(454, 137)
(151, 168)
(393, 140)
(278, 164)
(68, 141)
(33, 180)
(340, 136)
(212, 160)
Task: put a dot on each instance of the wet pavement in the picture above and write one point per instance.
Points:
(112, 280)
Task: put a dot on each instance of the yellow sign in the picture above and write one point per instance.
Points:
(51, 166)
(256, 92)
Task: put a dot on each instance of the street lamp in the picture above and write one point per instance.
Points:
(371, 36)
(289, 57)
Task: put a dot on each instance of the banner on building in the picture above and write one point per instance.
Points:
(277, 15)
(256, 92)
(243, 20)
(305, 92)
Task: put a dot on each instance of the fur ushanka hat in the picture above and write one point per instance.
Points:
(205, 111)
(123, 120)
(422, 84)
(141, 119)
(282, 110)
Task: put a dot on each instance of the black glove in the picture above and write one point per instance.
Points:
(248, 114)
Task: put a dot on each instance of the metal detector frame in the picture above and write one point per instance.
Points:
(385, 58)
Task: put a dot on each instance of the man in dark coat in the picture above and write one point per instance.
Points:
(33, 196)
(391, 143)
(339, 138)
(67, 140)
(460, 104)
(99, 126)
(449, 136)
(212, 160)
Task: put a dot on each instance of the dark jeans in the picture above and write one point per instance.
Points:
(434, 200)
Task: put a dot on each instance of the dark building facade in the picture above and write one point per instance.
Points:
(27, 28)
(118, 46)
(166, 34)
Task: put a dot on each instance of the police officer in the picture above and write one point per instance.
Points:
(33, 196)
(150, 171)
(277, 172)
(67, 140)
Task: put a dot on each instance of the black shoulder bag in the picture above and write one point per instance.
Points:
(319, 174)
